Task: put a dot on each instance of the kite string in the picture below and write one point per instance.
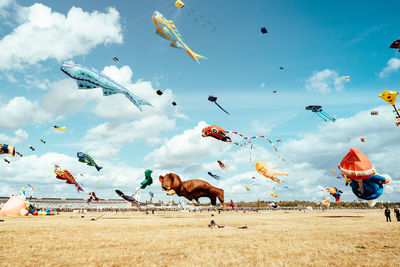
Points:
(253, 137)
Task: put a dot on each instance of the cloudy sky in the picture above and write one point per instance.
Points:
(316, 49)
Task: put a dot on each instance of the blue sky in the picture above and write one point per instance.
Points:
(317, 49)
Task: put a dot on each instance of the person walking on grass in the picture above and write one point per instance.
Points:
(397, 212)
(387, 214)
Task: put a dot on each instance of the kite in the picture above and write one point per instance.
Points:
(220, 134)
(115, 59)
(59, 127)
(336, 193)
(214, 176)
(274, 92)
(233, 205)
(32, 148)
(92, 196)
(19, 154)
(268, 171)
(86, 158)
(129, 198)
(395, 45)
(264, 30)
(41, 140)
(6, 160)
(6, 149)
(166, 29)
(390, 97)
(88, 78)
(214, 99)
(326, 202)
(222, 165)
(179, 4)
(65, 175)
(281, 68)
(322, 114)
(374, 113)
(97, 184)
(247, 187)
(148, 180)
(159, 92)
(174, 103)
(332, 171)
(347, 77)
(273, 195)
(190, 189)
(358, 171)
(362, 140)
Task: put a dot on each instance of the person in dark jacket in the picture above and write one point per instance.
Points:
(387, 214)
(397, 212)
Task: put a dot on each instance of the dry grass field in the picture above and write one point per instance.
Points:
(273, 238)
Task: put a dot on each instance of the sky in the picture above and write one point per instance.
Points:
(316, 49)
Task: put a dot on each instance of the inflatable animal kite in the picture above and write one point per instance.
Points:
(148, 180)
(220, 134)
(6, 149)
(268, 171)
(179, 4)
(86, 158)
(88, 78)
(362, 177)
(167, 30)
(395, 45)
(65, 175)
(92, 196)
(190, 189)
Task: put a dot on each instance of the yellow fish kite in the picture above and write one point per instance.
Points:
(166, 29)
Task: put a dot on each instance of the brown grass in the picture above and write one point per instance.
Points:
(275, 238)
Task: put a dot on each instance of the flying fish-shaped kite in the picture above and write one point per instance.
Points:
(88, 78)
(65, 175)
(167, 30)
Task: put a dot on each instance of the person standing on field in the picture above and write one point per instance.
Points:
(397, 212)
(387, 214)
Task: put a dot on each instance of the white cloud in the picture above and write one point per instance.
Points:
(107, 139)
(52, 35)
(19, 111)
(19, 137)
(186, 148)
(392, 65)
(325, 81)
(260, 127)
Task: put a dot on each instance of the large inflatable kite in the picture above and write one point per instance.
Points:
(65, 175)
(220, 134)
(15, 206)
(88, 78)
(190, 189)
(268, 171)
(148, 180)
(362, 177)
(86, 158)
(167, 30)
(395, 45)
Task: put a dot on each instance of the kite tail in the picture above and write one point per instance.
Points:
(253, 137)
(328, 116)
(222, 108)
(194, 55)
(98, 168)
(136, 100)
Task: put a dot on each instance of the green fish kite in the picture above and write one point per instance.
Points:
(85, 158)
